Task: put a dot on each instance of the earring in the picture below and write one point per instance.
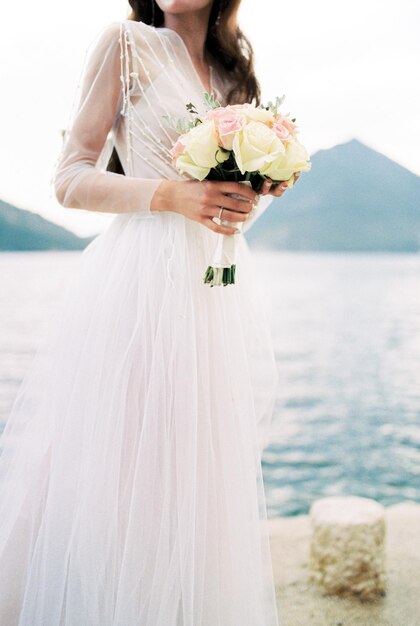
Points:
(152, 21)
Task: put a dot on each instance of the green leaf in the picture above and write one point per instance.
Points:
(274, 106)
(208, 276)
(191, 108)
(181, 124)
(210, 102)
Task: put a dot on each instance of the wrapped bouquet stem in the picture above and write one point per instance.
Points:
(221, 270)
(242, 143)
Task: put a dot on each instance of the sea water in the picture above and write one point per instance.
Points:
(346, 333)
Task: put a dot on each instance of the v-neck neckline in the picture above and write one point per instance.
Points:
(184, 45)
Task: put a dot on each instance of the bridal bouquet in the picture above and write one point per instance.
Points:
(242, 143)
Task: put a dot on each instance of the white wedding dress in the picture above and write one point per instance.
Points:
(131, 490)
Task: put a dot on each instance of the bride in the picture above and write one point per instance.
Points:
(131, 488)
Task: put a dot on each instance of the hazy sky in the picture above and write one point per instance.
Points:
(348, 69)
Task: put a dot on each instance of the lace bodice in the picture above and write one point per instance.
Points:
(134, 74)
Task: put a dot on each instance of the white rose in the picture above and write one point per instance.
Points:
(255, 146)
(201, 149)
(254, 114)
(295, 159)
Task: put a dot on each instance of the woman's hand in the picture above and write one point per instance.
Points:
(202, 200)
(278, 189)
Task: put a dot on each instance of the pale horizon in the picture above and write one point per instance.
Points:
(348, 73)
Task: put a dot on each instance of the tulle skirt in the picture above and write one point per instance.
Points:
(131, 489)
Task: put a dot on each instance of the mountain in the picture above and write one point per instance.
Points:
(24, 230)
(353, 199)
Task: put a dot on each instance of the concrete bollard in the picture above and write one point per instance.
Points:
(347, 547)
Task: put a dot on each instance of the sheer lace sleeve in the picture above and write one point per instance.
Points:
(78, 180)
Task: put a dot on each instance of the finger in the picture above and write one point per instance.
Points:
(278, 190)
(231, 216)
(266, 186)
(223, 230)
(233, 187)
(234, 204)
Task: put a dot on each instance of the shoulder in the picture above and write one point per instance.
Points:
(145, 41)
(117, 36)
(139, 43)
(104, 40)
(133, 27)
(113, 31)
(109, 32)
(133, 32)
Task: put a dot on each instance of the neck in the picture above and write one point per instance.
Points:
(192, 27)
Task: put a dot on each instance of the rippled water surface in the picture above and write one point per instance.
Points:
(346, 331)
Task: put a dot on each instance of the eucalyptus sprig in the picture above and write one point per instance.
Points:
(210, 102)
(181, 124)
(191, 108)
(274, 106)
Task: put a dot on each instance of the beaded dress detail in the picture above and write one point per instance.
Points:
(131, 489)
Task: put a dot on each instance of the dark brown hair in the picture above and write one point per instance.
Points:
(225, 42)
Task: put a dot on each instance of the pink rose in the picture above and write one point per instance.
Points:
(221, 112)
(241, 107)
(284, 128)
(177, 149)
(228, 121)
(228, 126)
(214, 114)
(217, 113)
